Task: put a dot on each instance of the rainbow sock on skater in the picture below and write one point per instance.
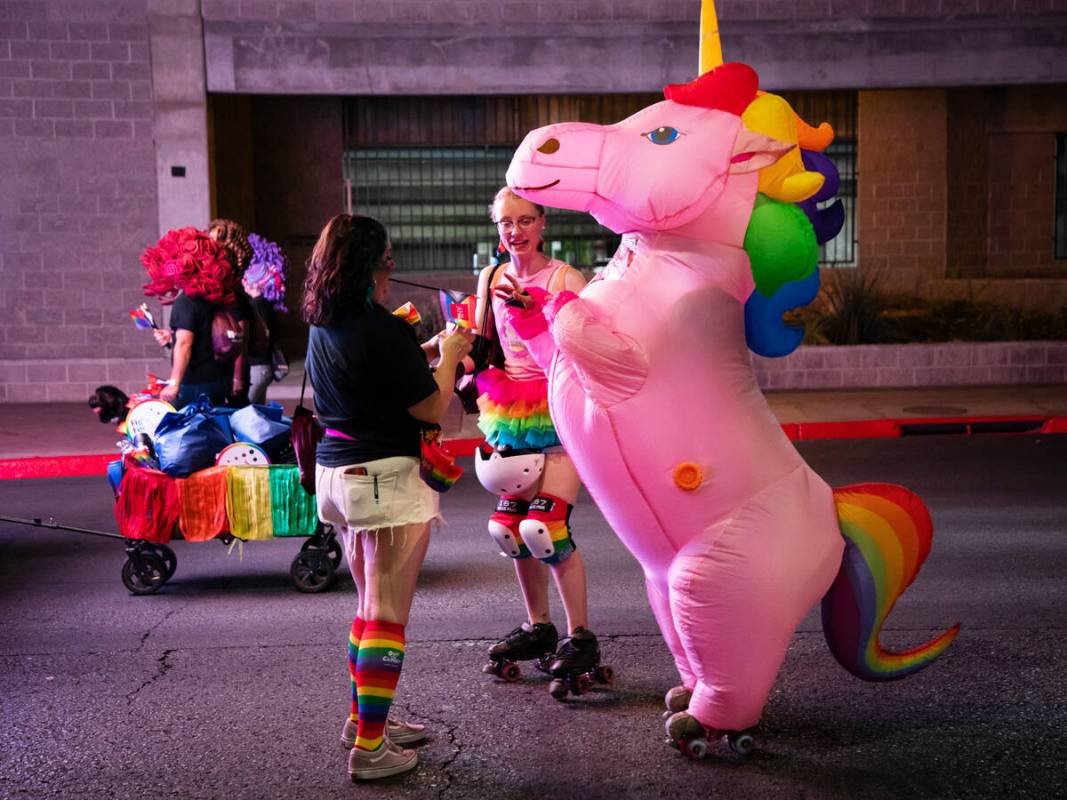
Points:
(378, 665)
(358, 624)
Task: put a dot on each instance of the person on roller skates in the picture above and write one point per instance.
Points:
(525, 464)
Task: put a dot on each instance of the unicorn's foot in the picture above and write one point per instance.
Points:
(676, 699)
(686, 733)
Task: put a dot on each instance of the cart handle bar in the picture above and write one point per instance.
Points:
(37, 522)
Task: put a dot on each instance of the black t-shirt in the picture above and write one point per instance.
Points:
(195, 315)
(366, 372)
(261, 331)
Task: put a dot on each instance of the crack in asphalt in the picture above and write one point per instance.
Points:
(453, 741)
(162, 669)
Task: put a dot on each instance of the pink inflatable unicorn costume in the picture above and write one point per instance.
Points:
(653, 394)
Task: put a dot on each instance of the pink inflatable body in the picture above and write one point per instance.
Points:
(654, 397)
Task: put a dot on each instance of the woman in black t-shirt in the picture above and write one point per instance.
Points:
(373, 391)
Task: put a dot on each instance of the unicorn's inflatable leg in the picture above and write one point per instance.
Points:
(658, 598)
(738, 592)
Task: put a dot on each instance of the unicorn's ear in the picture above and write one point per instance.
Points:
(754, 151)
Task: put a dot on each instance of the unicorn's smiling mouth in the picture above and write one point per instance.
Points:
(537, 188)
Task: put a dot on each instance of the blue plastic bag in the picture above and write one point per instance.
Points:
(189, 440)
(263, 426)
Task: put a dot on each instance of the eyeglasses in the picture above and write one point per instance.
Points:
(522, 223)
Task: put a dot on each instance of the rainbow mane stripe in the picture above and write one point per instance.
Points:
(786, 228)
(888, 534)
(514, 413)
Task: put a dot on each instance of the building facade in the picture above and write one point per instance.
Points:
(120, 119)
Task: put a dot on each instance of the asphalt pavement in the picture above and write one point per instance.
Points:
(230, 684)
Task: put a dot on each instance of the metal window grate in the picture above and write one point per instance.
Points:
(841, 110)
(404, 166)
(1060, 225)
(434, 200)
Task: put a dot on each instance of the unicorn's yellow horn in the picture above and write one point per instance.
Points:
(710, 46)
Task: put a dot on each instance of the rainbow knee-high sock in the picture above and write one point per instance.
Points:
(358, 624)
(378, 665)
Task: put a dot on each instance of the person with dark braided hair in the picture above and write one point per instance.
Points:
(234, 238)
(374, 392)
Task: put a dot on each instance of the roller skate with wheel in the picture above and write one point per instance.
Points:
(676, 699)
(576, 665)
(527, 642)
(685, 733)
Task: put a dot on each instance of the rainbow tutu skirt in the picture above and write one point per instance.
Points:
(514, 413)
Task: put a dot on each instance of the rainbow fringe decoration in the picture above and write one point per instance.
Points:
(888, 535)
(514, 413)
(248, 502)
(292, 510)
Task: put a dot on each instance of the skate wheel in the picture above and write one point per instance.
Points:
(695, 749)
(583, 683)
(510, 672)
(491, 668)
(558, 688)
(741, 743)
(605, 675)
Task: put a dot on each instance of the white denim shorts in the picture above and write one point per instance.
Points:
(374, 495)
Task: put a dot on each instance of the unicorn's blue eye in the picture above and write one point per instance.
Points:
(663, 135)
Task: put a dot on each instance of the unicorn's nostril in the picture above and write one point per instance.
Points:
(549, 147)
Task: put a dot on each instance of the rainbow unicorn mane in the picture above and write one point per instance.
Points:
(888, 534)
(787, 225)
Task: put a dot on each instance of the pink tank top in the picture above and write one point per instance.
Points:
(519, 365)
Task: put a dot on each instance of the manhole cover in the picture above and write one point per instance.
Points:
(936, 411)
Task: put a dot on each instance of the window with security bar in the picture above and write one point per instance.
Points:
(428, 168)
(435, 202)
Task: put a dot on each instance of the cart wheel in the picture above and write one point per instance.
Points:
(148, 578)
(327, 544)
(170, 560)
(312, 571)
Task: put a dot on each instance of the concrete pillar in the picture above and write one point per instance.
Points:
(181, 130)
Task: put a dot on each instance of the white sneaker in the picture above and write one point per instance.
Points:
(396, 731)
(367, 765)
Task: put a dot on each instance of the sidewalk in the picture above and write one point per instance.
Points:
(64, 430)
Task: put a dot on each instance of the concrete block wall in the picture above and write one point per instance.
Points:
(916, 365)
(77, 192)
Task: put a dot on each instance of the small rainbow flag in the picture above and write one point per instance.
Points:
(437, 468)
(409, 314)
(463, 313)
(142, 318)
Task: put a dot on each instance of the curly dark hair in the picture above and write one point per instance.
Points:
(234, 238)
(340, 271)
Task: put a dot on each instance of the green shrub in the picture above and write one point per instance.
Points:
(854, 308)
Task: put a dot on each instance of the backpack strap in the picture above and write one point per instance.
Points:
(487, 311)
(559, 278)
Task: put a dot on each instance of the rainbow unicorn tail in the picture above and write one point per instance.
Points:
(888, 533)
